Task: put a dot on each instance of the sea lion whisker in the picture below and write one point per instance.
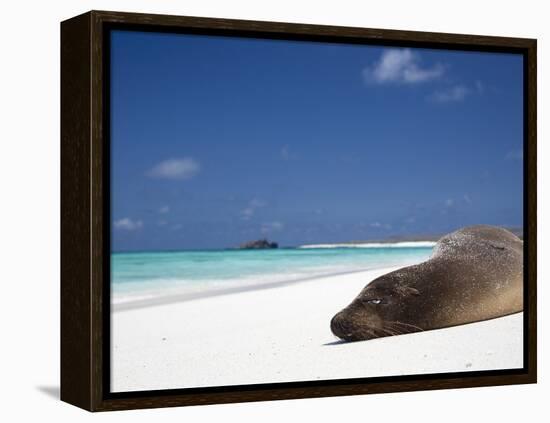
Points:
(402, 329)
(407, 324)
(385, 331)
(395, 330)
(375, 332)
(392, 332)
(398, 329)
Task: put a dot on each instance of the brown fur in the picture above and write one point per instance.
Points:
(475, 273)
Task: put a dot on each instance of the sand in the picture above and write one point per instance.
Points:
(281, 334)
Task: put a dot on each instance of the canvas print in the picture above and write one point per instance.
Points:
(290, 211)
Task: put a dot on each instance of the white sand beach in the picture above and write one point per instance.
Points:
(281, 334)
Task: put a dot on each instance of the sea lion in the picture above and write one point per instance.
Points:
(475, 273)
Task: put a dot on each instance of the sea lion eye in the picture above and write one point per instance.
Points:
(374, 301)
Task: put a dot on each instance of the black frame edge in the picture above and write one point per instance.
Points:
(76, 325)
(530, 187)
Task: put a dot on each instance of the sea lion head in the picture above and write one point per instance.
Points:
(384, 307)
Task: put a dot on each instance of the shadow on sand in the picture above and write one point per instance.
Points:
(337, 342)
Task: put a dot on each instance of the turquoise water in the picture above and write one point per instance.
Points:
(143, 275)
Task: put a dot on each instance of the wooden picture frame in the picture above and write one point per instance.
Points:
(85, 212)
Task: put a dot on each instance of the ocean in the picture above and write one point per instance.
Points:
(141, 276)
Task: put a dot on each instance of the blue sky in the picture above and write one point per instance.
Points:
(216, 141)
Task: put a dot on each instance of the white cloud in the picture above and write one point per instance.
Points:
(514, 155)
(400, 66)
(449, 202)
(467, 199)
(379, 225)
(177, 168)
(257, 203)
(272, 227)
(286, 154)
(164, 209)
(248, 212)
(449, 95)
(128, 224)
(480, 87)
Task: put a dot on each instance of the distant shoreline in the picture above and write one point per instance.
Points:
(357, 244)
(402, 244)
(393, 239)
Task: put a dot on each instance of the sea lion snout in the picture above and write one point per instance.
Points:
(353, 324)
(338, 325)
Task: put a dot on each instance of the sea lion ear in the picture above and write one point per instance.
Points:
(404, 290)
